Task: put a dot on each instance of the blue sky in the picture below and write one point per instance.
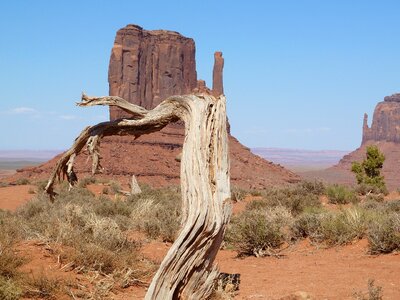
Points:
(298, 74)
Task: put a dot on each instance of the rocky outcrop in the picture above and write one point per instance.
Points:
(386, 122)
(148, 66)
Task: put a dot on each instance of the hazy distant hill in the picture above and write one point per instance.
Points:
(29, 155)
(10, 160)
(301, 160)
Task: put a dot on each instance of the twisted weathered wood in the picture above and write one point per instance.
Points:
(187, 271)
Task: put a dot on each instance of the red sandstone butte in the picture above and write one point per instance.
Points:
(145, 68)
(148, 66)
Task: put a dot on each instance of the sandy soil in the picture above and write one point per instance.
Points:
(11, 197)
(333, 273)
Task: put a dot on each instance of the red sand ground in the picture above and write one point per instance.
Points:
(11, 197)
(333, 273)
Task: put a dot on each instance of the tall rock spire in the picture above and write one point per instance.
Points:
(218, 85)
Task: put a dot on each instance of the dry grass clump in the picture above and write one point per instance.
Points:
(157, 212)
(10, 288)
(89, 234)
(92, 233)
(42, 287)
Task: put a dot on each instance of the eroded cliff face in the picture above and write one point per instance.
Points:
(386, 122)
(148, 66)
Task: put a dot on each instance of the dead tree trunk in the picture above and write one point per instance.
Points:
(187, 271)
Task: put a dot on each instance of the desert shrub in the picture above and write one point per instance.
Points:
(41, 286)
(255, 192)
(4, 184)
(332, 228)
(374, 292)
(105, 191)
(106, 208)
(79, 220)
(308, 224)
(22, 181)
(115, 187)
(296, 199)
(375, 197)
(366, 189)
(259, 232)
(84, 182)
(237, 194)
(9, 263)
(9, 289)
(384, 233)
(40, 185)
(9, 235)
(392, 206)
(339, 194)
(312, 187)
(157, 212)
(343, 227)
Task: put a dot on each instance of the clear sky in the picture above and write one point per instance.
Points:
(298, 74)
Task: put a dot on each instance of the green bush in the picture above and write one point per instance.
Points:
(368, 172)
(339, 194)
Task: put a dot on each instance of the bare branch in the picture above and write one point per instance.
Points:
(135, 110)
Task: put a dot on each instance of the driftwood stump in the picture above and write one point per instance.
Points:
(187, 271)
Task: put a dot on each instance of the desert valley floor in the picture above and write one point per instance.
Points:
(304, 270)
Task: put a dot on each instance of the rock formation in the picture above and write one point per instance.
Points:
(385, 133)
(145, 68)
(218, 88)
(386, 122)
(148, 66)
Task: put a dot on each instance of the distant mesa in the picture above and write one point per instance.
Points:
(147, 66)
